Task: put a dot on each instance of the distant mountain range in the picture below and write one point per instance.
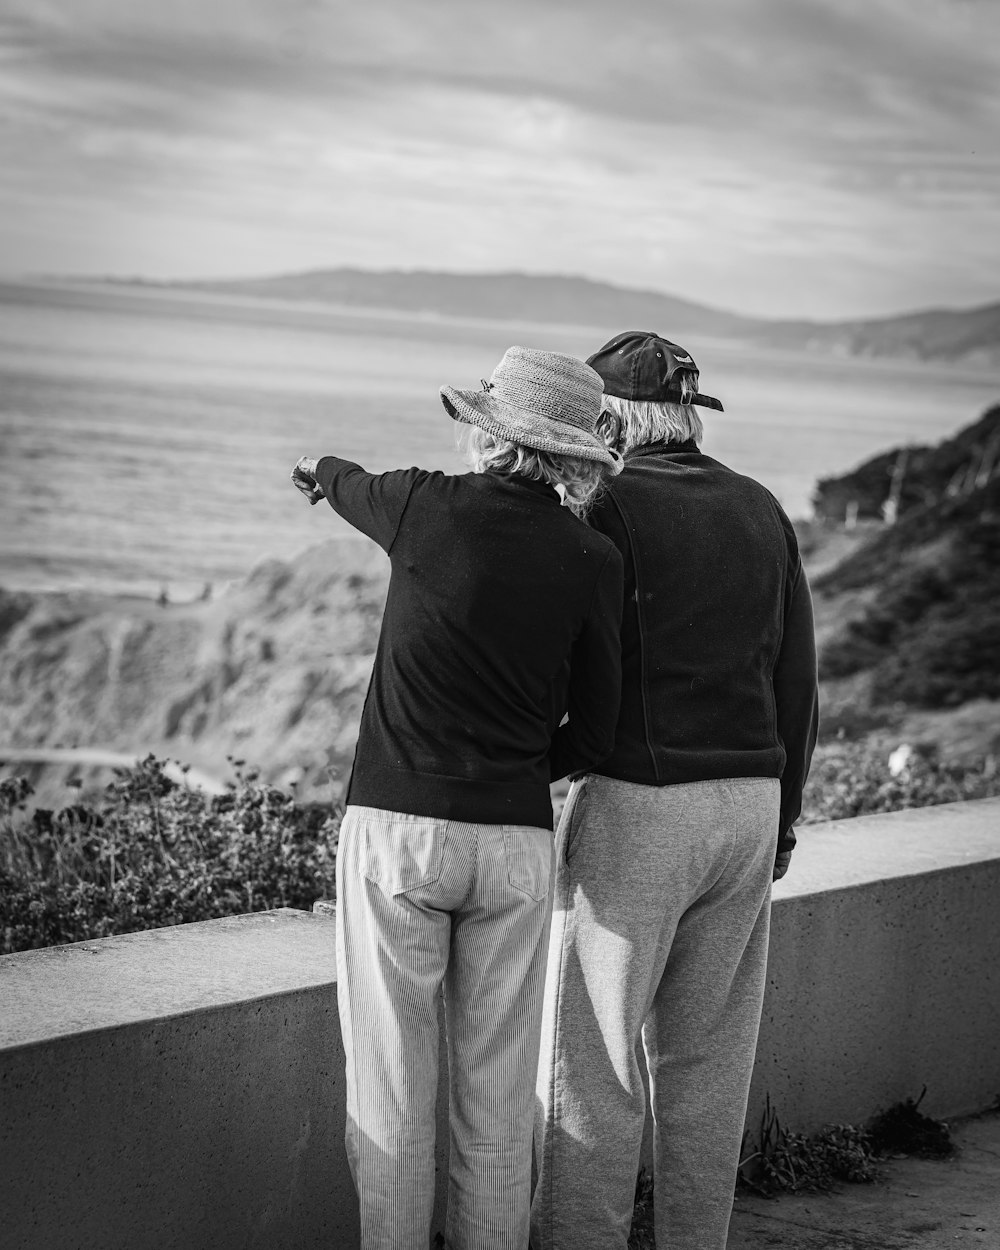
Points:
(971, 336)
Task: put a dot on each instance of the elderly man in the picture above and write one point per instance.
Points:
(666, 850)
(502, 616)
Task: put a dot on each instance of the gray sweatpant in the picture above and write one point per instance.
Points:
(660, 925)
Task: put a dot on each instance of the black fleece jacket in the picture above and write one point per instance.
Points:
(718, 650)
(503, 615)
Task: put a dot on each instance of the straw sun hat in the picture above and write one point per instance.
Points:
(539, 399)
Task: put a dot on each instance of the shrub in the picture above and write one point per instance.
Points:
(851, 779)
(902, 1130)
(953, 659)
(778, 1161)
(930, 630)
(149, 853)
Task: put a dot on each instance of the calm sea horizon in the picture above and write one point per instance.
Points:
(147, 435)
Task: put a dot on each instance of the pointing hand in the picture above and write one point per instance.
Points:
(304, 479)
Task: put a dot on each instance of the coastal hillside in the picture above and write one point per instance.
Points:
(275, 671)
(970, 336)
(910, 619)
(913, 478)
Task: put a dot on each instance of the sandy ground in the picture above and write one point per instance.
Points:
(921, 1204)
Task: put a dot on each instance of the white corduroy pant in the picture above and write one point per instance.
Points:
(660, 927)
(420, 903)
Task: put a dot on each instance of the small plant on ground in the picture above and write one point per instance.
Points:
(780, 1161)
(783, 1162)
(903, 1130)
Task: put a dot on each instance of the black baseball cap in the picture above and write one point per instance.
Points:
(639, 364)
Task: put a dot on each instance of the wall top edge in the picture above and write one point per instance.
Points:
(868, 849)
(159, 973)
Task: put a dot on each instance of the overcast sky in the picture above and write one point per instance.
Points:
(783, 157)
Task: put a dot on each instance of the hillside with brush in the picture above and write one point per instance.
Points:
(914, 478)
(911, 618)
(275, 672)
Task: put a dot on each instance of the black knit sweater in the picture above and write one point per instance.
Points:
(718, 651)
(502, 615)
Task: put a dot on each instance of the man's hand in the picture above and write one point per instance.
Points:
(781, 862)
(304, 478)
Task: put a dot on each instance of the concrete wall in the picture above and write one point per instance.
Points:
(184, 1087)
(179, 1088)
(883, 973)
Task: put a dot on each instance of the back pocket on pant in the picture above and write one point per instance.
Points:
(402, 852)
(529, 859)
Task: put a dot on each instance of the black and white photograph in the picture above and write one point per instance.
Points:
(499, 625)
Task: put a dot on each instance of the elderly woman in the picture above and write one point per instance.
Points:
(497, 671)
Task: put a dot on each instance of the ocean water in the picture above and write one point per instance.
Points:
(146, 436)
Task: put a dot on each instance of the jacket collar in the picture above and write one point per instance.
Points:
(666, 449)
(519, 482)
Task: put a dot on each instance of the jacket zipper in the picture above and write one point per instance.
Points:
(642, 634)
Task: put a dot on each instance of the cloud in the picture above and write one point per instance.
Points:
(786, 157)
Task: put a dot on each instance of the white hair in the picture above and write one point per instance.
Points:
(632, 423)
(580, 478)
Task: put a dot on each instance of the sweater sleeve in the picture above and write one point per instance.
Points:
(373, 503)
(595, 679)
(796, 695)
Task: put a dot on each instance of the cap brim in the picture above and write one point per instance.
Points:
(517, 425)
